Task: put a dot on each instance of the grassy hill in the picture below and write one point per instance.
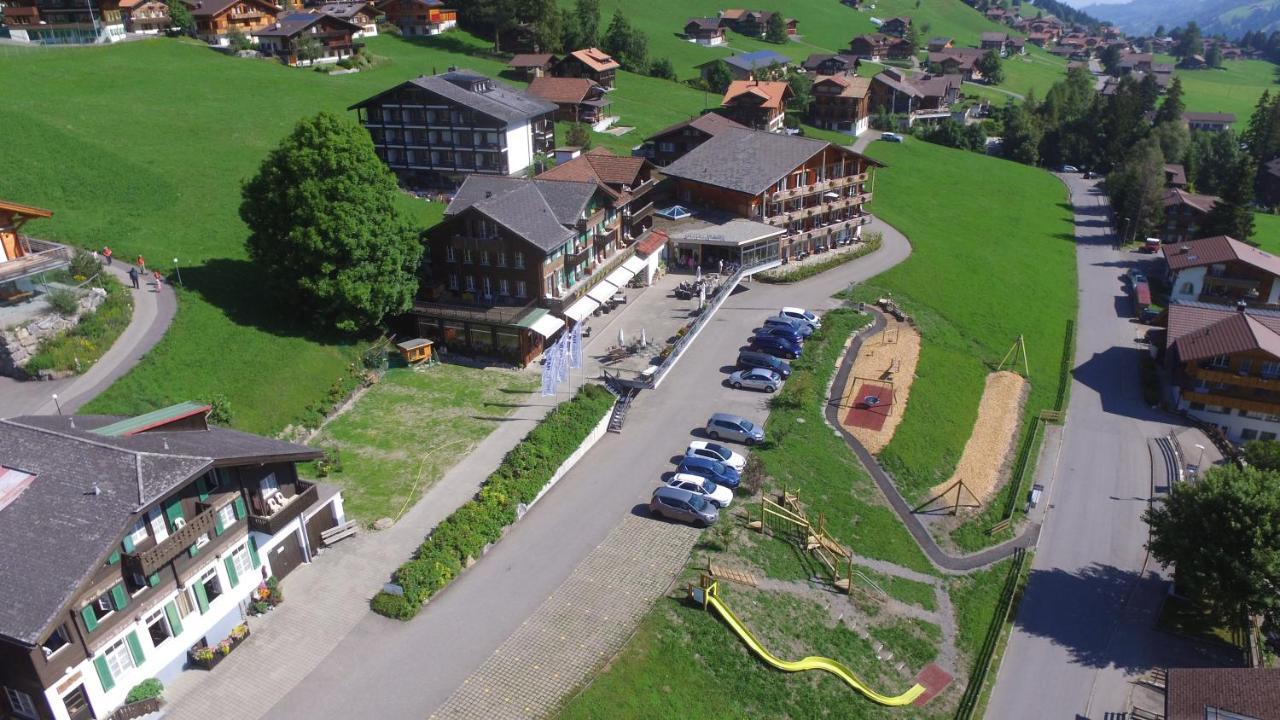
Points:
(1235, 88)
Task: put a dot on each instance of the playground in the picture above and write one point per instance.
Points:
(990, 448)
(875, 396)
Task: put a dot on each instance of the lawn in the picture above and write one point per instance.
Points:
(1266, 232)
(410, 428)
(1235, 88)
(988, 264)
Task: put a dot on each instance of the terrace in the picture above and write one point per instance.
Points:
(39, 256)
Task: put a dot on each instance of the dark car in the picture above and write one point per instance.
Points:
(678, 504)
(787, 333)
(750, 359)
(803, 329)
(776, 346)
(713, 470)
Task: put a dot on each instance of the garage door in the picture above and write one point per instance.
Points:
(321, 521)
(286, 556)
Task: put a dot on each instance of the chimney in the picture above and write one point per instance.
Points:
(1240, 306)
(1183, 250)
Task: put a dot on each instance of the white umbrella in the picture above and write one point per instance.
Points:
(622, 338)
(644, 340)
(702, 296)
(699, 273)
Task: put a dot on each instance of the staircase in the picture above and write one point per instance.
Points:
(619, 416)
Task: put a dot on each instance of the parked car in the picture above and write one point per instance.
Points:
(892, 137)
(682, 505)
(776, 346)
(719, 495)
(716, 451)
(755, 379)
(801, 314)
(732, 427)
(750, 359)
(787, 333)
(1070, 169)
(713, 470)
(1136, 276)
(803, 329)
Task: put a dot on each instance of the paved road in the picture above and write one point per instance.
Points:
(1084, 628)
(152, 313)
(463, 626)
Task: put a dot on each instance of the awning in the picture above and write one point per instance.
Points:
(579, 310)
(620, 277)
(547, 325)
(634, 264)
(603, 291)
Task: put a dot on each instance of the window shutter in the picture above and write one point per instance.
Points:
(217, 523)
(240, 512)
(119, 597)
(202, 599)
(193, 550)
(175, 621)
(173, 511)
(127, 543)
(154, 580)
(135, 649)
(113, 558)
(202, 488)
(90, 620)
(231, 570)
(253, 552)
(104, 673)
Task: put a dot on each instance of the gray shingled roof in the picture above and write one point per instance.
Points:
(540, 211)
(297, 22)
(747, 161)
(77, 528)
(502, 102)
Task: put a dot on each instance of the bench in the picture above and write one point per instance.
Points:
(338, 532)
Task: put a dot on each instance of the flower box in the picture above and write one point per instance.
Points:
(207, 656)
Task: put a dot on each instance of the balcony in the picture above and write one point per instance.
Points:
(578, 256)
(146, 562)
(819, 234)
(275, 522)
(1232, 402)
(40, 256)
(786, 218)
(466, 309)
(818, 187)
(1210, 376)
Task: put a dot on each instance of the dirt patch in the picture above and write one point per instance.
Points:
(994, 438)
(896, 347)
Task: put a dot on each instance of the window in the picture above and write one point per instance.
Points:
(21, 702)
(269, 485)
(487, 284)
(1267, 436)
(667, 146)
(504, 287)
(56, 641)
(1243, 366)
(502, 258)
(450, 255)
(453, 281)
(119, 659)
(521, 289)
(1220, 362)
(241, 560)
(484, 257)
(1188, 288)
(1270, 369)
(211, 584)
(471, 283)
(227, 515)
(466, 255)
(102, 607)
(138, 533)
(158, 627)
(186, 605)
(519, 261)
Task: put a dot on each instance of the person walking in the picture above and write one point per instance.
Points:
(133, 277)
(106, 253)
(159, 280)
(142, 264)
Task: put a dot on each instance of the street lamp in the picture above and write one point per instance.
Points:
(56, 403)
(1200, 460)
(177, 270)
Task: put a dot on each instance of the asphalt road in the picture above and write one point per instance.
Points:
(1083, 630)
(406, 670)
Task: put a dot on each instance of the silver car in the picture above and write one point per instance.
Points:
(734, 427)
(676, 504)
(756, 379)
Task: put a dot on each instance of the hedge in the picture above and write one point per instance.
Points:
(783, 276)
(462, 537)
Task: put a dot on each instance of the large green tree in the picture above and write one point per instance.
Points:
(628, 45)
(990, 67)
(1222, 536)
(719, 76)
(582, 27)
(1172, 107)
(1189, 42)
(1263, 454)
(325, 229)
(1233, 215)
(180, 17)
(775, 31)
(1213, 56)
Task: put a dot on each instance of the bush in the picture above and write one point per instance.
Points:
(525, 470)
(84, 265)
(220, 408)
(782, 276)
(79, 347)
(145, 690)
(64, 301)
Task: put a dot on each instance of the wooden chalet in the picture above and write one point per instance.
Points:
(217, 19)
(145, 17)
(672, 143)
(704, 31)
(592, 63)
(532, 65)
(419, 17)
(755, 104)
(577, 99)
(21, 256)
(841, 103)
(304, 38)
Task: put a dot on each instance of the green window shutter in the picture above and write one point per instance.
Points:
(173, 511)
(127, 543)
(193, 550)
(113, 558)
(119, 597)
(202, 488)
(240, 512)
(175, 622)
(104, 673)
(135, 649)
(217, 523)
(253, 552)
(231, 571)
(90, 620)
(202, 599)
(154, 580)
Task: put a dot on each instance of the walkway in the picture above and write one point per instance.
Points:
(152, 313)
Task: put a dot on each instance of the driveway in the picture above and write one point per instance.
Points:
(1084, 628)
(407, 670)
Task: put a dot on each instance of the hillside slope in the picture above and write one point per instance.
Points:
(1232, 18)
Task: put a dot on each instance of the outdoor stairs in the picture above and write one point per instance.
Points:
(620, 408)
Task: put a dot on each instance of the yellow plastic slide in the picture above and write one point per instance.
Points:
(710, 598)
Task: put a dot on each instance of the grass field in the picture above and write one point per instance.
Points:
(992, 258)
(410, 428)
(1266, 232)
(1235, 88)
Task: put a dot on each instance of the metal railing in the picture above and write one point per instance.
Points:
(42, 256)
(501, 314)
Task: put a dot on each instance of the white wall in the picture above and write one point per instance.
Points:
(519, 147)
(1231, 422)
(1194, 276)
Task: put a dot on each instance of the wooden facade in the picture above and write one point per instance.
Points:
(217, 19)
(419, 17)
(146, 17)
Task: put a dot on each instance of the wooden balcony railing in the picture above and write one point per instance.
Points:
(275, 522)
(1210, 376)
(146, 562)
(786, 218)
(1232, 402)
(820, 186)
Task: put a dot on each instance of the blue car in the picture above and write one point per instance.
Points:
(712, 470)
(776, 346)
(786, 333)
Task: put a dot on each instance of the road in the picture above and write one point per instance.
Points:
(463, 626)
(1083, 630)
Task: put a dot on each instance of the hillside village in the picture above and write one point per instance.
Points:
(583, 360)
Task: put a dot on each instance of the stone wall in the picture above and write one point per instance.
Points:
(20, 342)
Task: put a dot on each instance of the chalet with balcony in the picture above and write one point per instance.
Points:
(757, 105)
(217, 19)
(841, 103)
(995, 41)
(704, 31)
(829, 64)
(1222, 270)
(1175, 176)
(753, 23)
(591, 63)
(748, 66)
(918, 97)
(746, 182)
(672, 143)
(145, 17)
(419, 18)
(1184, 214)
(957, 61)
(1224, 365)
(363, 14)
(873, 47)
(62, 22)
(1209, 122)
(304, 38)
(130, 541)
(22, 257)
(532, 65)
(434, 130)
(896, 26)
(629, 180)
(578, 100)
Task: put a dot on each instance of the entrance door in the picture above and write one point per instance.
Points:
(77, 704)
(286, 556)
(321, 521)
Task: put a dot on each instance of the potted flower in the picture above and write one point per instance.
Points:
(204, 656)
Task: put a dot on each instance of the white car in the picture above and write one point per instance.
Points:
(891, 137)
(717, 495)
(718, 452)
(802, 315)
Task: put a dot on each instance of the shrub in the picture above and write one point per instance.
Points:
(145, 690)
(220, 408)
(523, 473)
(83, 344)
(782, 276)
(84, 265)
(64, 301)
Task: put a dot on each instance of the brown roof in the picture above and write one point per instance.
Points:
(561, 90)
(1203, 203)
(1177, 174)
(531, 60)
(28, 210)
(1208, 117)
(732, 14)
(596, 59)
(1219, 249)
(599, 165)
(1234, 332)
(710, 123)
(855, 87)
(214, 8)
(651, 243)
(771, 94)
(1254, 692)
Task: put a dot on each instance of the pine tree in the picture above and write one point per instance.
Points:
(586, 25)
(1172, 107)
(775, 30)
(1233, 215)
(1190, 42)
(719, 76)
(1213, 58)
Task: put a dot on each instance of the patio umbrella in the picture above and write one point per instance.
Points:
(702, 296)
(622, 338)
(644, 340)
(699, 271)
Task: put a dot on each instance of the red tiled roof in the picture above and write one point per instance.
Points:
(1252, 692)
(596, 59)
(600, 166)
(771, 94)
(1218, 249)
(651, 243)
(561, 90)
